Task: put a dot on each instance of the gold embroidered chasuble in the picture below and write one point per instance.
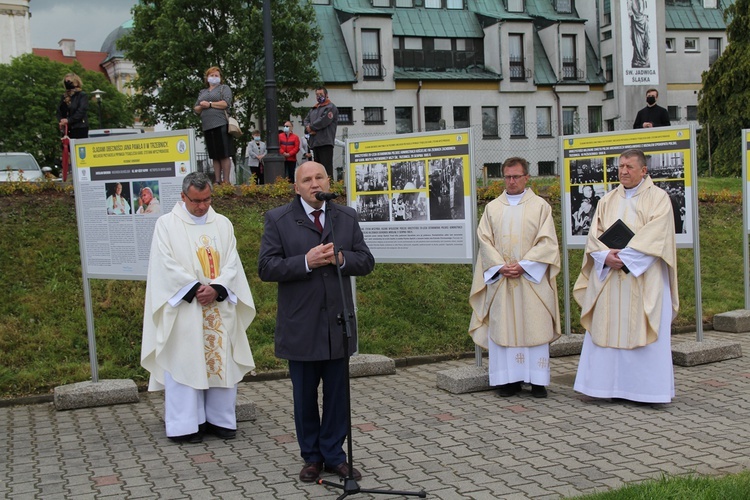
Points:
(200, 346)
(624, 311)
(516, 312)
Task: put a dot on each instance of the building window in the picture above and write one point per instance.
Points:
(404, 122)
(570, 68)
(610, 124)
(443, 44)
(564, 6)
(381, 3)
(710, 4)
(714, 50)
(412, 43)
(374, 116)
(608, 69)
(546, 168)
(671, 47)
(321, 2)
(609, 94)
(404, 3)
(570, 120)
(432, 4)
(489, 121)
(692, 112)
(346, 116)
(606, 35)
(595, 119)
(461, 117)
(433, 115)
(517, 121)
(692, 45)
(674, 113)
(515, 5)
(515, 56)
(455, 4)
(544, 122)
(372, 67)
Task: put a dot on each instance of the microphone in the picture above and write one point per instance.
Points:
(321, 196)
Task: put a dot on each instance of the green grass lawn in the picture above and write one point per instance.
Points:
(734, 487)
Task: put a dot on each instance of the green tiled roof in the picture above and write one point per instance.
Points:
(436, 23)
(594, 71)
(690, 15)
(544, 74)
(333, 61)
(495, 9)
(472, 74)
(544, 9)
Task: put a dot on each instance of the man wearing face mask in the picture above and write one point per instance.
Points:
(288, 148)
(652, 115)
(321, 123)
(255, 152)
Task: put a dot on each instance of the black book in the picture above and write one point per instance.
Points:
(617, 236)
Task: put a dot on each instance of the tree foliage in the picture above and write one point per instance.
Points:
(31, 90)
(173, 42)
(724, 101)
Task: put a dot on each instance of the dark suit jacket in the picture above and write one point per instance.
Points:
(308, 303)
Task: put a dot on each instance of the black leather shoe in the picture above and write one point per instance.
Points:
(310, 472)
(538, 391)
(508, 390)
(342, 470)
(194, 438)
(219, 432)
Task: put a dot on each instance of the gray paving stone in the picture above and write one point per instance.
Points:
(102, 393)
(732, 321)
(693, 353)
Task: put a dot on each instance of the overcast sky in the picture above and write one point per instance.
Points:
(88, 22)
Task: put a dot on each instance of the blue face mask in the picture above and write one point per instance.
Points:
(256, 138)
(286, 129)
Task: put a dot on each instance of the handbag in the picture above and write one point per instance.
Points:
(233, 126)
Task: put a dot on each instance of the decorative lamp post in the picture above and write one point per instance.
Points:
(273, 162)
(98, 96)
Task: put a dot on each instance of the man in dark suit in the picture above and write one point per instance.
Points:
(652, 115)
(296, 251)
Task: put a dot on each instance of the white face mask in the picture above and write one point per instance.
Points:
(256, 138)
(286, 129)
(214, 80)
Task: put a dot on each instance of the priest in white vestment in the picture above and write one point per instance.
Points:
(198, 308)
(628, 315)
(515, 312)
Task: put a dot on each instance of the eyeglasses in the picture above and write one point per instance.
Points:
(512, 177)
(206, 201)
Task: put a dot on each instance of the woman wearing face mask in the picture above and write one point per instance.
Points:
(255, 152)
(72, 112)
(211, 105)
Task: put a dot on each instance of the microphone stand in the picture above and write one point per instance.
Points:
(350, 486)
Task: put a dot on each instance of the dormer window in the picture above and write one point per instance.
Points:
(564, 6)
(515, 5)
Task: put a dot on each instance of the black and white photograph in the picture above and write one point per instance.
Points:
(676, 192)
(408, 207)
(372, 177)
(666, 165)
(586, 171)
(446, 189)
(613, 169)
(373, 208)
(583, 201)
(408, 175)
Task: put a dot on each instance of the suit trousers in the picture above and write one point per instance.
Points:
(324, 156)
(321, 439)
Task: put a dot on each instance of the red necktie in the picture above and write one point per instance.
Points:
(316, 214)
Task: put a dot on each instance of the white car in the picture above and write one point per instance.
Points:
(20, 166)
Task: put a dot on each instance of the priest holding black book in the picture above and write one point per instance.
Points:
(628, 296)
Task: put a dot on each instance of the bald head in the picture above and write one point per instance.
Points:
(311, 178)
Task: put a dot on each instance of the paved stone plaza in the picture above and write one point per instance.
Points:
(408, 435)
